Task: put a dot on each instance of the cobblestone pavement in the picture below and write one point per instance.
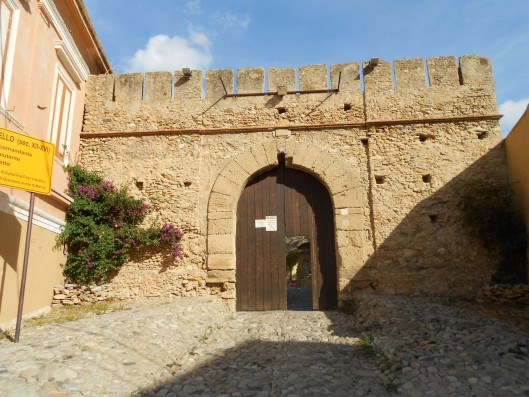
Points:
(195, 346)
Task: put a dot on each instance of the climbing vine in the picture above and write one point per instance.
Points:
(103, 228)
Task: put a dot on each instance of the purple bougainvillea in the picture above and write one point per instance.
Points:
(104, 224)
(90, 192)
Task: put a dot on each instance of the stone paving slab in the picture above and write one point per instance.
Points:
(196, 347)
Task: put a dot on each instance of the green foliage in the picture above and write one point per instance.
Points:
(64, 314)
(6, 334)
(103, 227)
(490, 210)
(366, 346)
(367, 340)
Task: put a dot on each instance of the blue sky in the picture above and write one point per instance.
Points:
(147, 35)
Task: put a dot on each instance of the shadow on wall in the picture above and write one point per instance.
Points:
(10, 230)
(431, 251)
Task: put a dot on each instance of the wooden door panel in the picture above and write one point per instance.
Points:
(259, 252)
(303, 208)
(309, 212)
(326, 254)
(259, 262)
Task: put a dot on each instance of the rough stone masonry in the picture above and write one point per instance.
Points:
(395, 144)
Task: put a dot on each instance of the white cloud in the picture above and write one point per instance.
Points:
(229, 20)
(193, 6)
(512, 111)
(164, 53)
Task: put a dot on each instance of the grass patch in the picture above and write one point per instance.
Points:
(367, 340)
(366, 347)
(174, 366)
(64, 314)
(6, 334)
(205, 337)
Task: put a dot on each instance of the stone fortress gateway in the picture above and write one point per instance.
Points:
(390, 147)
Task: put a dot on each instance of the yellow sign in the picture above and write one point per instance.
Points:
(25, 163)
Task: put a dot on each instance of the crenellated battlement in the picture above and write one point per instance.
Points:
(400, 75)
(408, 88)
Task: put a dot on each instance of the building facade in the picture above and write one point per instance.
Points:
(394, 146)
(48, 50)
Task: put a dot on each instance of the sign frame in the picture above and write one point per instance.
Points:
(26, 163)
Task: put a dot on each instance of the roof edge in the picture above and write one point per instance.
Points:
(83, 12)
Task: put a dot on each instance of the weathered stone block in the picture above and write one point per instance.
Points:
(128, 87)
(270, 149)
(220, 202)
(350, 78)
(378, 78)
(225, 186)
(305, 156)
(344, 287)
(409, 73)
(442, 71)
(344, 211)
(217, 81)
(158, 87)
(250, 80)
(220, 215)
(220, 276)
(282, 132)
(347, 181)
(247, 162)
(313, 77)
(349, 222)
(221, 244)
(259, 154)
(365, 274)
(103, 84)
(281, 77)
(349, 198)
(291, 148)
(221, 226)
(349, 239)
(187, 87)
(476, 71)
(329, 168)
(352, 257)
(221, 261)
(281, 144)
(235, 173)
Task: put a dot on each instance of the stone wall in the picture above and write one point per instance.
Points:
(517, 147)
(80, 295)
(395, 160)
(501, 293)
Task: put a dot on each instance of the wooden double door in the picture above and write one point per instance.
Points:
(274, 205)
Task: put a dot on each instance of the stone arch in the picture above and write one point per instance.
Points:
(340, 179)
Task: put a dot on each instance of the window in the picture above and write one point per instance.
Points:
(8, 25)
(62, 114)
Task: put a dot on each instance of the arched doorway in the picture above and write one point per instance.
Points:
(277, 210)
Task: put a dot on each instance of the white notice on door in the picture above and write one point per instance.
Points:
(260, 223)
(271, 223)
